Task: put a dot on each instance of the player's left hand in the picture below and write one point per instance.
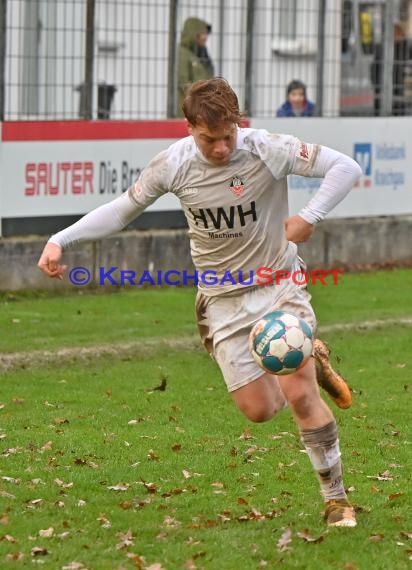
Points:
(298, 230)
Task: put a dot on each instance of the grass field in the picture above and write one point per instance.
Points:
(120, 447)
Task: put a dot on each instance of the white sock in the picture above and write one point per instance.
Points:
(322, 446)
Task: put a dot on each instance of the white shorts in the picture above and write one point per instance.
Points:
(225, 322)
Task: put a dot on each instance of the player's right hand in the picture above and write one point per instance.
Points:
(298, 230)
(49, 261)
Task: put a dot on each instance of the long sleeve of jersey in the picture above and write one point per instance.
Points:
(339, 173)
(117, 214)
(101, 222)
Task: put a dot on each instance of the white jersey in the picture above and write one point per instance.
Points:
(235, 212)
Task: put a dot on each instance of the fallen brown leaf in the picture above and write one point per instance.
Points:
(47, 532)
(376, 537)
(15, 556)
(138, 561)
(385, 476)
(152, 455)
(171, 522)
(246, 434)
(224, 516)
(306, 535)
(11, 480)
(60, 421)
(161, 387)
(119, 487)
(283, 544)
(7, 538)
(39, 551)
(191, 541)
(150, 487)
(62, 484)
(126, 539)
(35, 502)
(394, 496)
(104, 521)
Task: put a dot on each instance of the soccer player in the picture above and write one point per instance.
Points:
(231, 182)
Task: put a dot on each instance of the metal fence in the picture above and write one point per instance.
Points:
(117, 59)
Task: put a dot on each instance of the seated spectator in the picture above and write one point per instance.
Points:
(296, 104)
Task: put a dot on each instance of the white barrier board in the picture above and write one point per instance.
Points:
(382, 147)
(69, 177)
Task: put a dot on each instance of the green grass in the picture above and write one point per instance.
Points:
(203, 487)
(49, 321)
(91, 317)
(364, 296)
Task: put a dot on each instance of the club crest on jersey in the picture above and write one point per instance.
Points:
(137, 188)
(237, 186)
(304, 151)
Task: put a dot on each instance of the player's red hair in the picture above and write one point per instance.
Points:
(211, 101)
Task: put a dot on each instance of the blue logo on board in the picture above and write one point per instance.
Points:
(362, 153)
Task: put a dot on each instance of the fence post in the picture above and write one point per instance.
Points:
(171, 63)
(86, 105)
(250, 19)
(387, 63)
(3, 48)
(320, 66)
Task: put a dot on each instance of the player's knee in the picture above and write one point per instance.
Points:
(302, 392)
(302, 404)
(258, 414)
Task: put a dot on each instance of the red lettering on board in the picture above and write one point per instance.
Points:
(60, 178)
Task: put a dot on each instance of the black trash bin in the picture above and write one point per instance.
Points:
(105, 95)
(84, 106)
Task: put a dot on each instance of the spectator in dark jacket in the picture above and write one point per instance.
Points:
(297, 104)
(193, 61)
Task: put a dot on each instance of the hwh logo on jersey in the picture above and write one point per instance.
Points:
(223, 217)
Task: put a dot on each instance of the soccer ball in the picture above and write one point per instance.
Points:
(280, 342)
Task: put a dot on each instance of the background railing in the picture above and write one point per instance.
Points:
(101, 59)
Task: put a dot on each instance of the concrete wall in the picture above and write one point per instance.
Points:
(338, 243)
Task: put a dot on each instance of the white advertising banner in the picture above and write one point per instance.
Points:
(46, 176)
(382, 147)
(73, 177)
